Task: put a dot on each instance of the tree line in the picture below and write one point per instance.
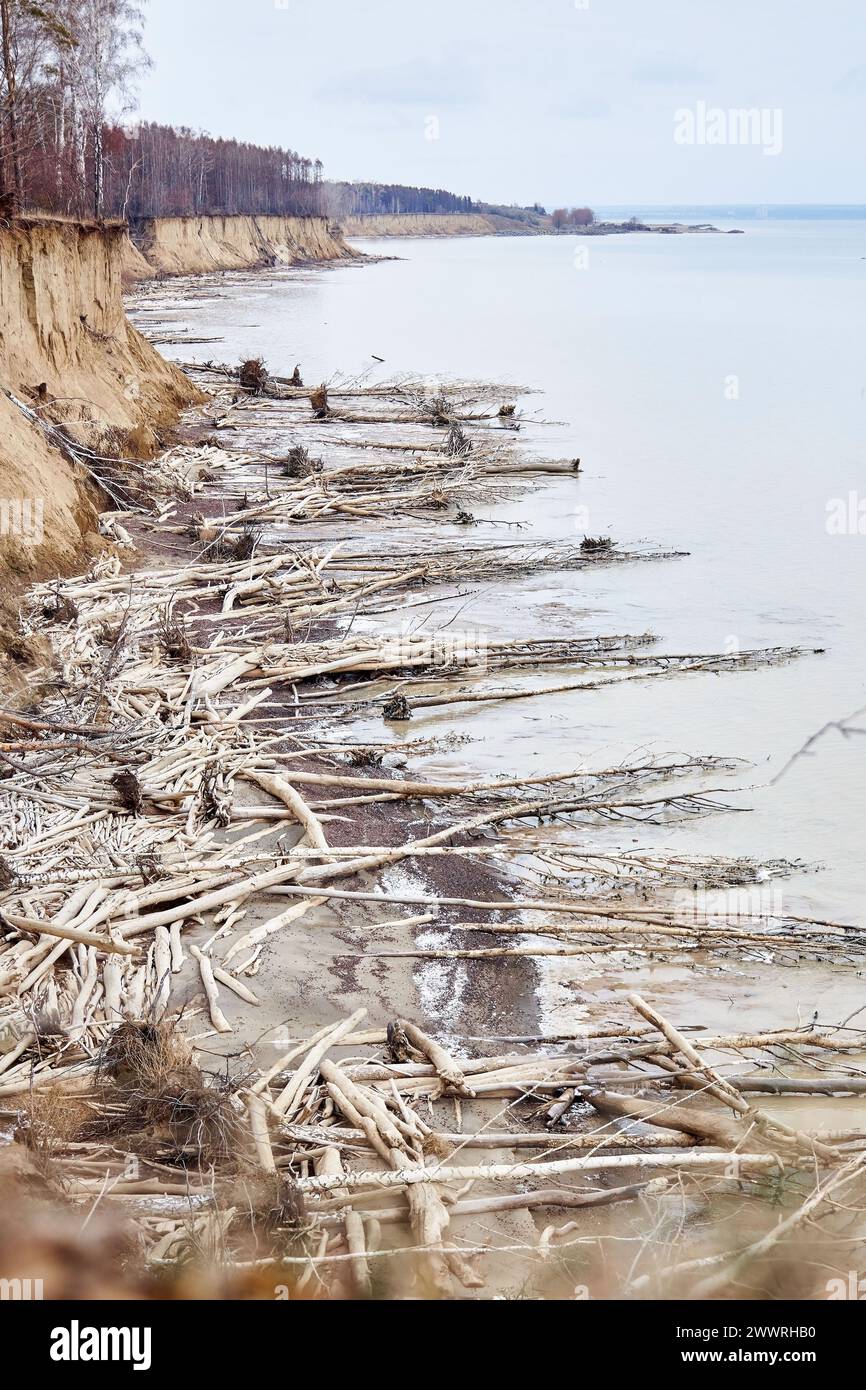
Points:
(63, 62)
(157, 171)
(390, 200)
(67, 78)
(572, 217)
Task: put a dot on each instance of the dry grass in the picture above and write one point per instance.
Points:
(150, 1090)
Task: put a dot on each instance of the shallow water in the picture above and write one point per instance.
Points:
(715, 389)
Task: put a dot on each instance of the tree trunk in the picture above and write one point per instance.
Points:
(11, 106)
(61, 133)
(98, 170)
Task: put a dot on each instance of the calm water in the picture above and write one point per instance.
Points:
(715, 388)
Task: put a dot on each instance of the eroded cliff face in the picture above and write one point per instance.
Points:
(48, 513)
(70, 357)
(197, 245)
(66, 346)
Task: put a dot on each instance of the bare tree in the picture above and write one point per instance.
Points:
(12, 149)
(107, 57)
(68, 70)
(29, 33)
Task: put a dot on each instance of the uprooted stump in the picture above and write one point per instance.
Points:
(297, 380)
(366, 757)
(440, 412)
(458, 444)
(216, 799)
(146, 1056)
(173, 638)
(274, 1201)
(595, 545)
(128, 789)
(298, 464)
(253, 375)
(247, 543)
(397, 708)
(399, 1047)
(319, 402)
(219, 544)
(150, 1090)
(58, 608)
(150, 866)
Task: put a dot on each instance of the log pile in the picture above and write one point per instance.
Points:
(378, 1161)
(194, 784)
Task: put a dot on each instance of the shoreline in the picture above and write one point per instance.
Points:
(374, 227)
(301, 655)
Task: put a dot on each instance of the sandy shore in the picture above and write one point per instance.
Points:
(299, 841)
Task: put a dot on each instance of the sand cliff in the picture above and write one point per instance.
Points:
(197, 245)
(70, 357)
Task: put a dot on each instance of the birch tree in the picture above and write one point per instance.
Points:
(30, 33)
(105, 62)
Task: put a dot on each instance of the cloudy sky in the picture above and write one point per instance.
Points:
(561, 101)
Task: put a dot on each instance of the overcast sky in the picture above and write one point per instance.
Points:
(563, 101)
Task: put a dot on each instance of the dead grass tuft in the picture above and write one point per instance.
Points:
(150, 1090)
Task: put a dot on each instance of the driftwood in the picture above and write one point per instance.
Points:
(723, 1091)
(411, 1176)
(444, 1064)
(288, 1100)
(218, 1019)
(697, 1123)
(218, 789)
